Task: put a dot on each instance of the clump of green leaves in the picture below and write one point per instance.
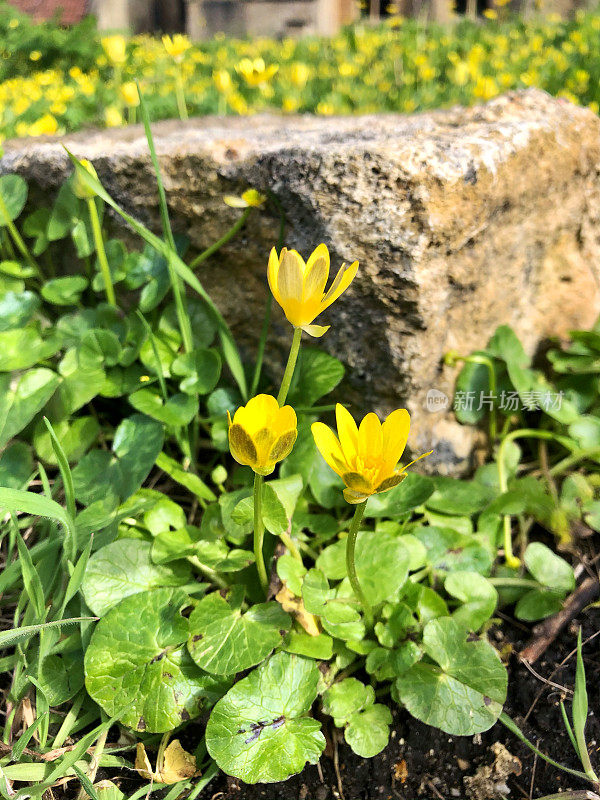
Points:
(128, 534)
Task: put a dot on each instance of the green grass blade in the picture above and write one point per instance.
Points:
(162, 197)
(31, 579)
(159, 369)
(230, 351)
(65, 469)
(182, 315)
(11, 574)
(20, 745)
(579, 712)
(22, 502)
(8, 638)
(67, 761)
(76, 578)
(568, 728)
(85, 782)
(514, 728)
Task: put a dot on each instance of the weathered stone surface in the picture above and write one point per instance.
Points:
(461, 219)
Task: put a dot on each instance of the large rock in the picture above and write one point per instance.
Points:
(461, 220)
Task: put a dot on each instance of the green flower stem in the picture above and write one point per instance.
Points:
(237, 225)
(528, 433)
(259, 532)
(180, 94)
(288, 542)
(574, 458)
(487, 362)
(290, 367)
(17, 238)
(101, 252)
(350, 562)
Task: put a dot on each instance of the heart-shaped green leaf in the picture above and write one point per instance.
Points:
(13, 191)
(64, 291)
(17, 308)
(224, 640)
(21, 400)
(368, 731)
(178, 410)
(464, 690)
(144, 673)
(199, 370)
(381, 564)
(123, 568)
(548, 568)
(476, 593)
(260, 731)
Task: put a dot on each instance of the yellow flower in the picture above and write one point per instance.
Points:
(365, 458)
(222, 80)
(299, 74)
(251, 198)
(35, 55)
(262, 434)
(298, 286)
(115, 48)
(129, 93)
(113, 117)
(44, 126)
(255, 73)
(176, 46)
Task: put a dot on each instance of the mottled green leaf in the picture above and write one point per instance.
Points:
(260, 731)
(224, 640)
(143, 672)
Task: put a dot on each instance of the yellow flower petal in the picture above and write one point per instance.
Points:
(348, 433)
(258, 413)
(342, 281)
(285, 420)
(289, 279)
(272, 272)
(370, 438)
(395, 431)
(315, 278)
(329, 447)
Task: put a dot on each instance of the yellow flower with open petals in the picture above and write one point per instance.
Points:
(262, 433)
(365, 457)
(256, 73)
(176, 46)
(299, 286)
(115, 48)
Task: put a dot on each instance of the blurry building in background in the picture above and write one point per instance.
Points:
(202, 18)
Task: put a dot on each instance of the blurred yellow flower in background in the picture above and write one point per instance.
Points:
(129, 94)
(256, 73)
(176, 46)
(115, 48)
